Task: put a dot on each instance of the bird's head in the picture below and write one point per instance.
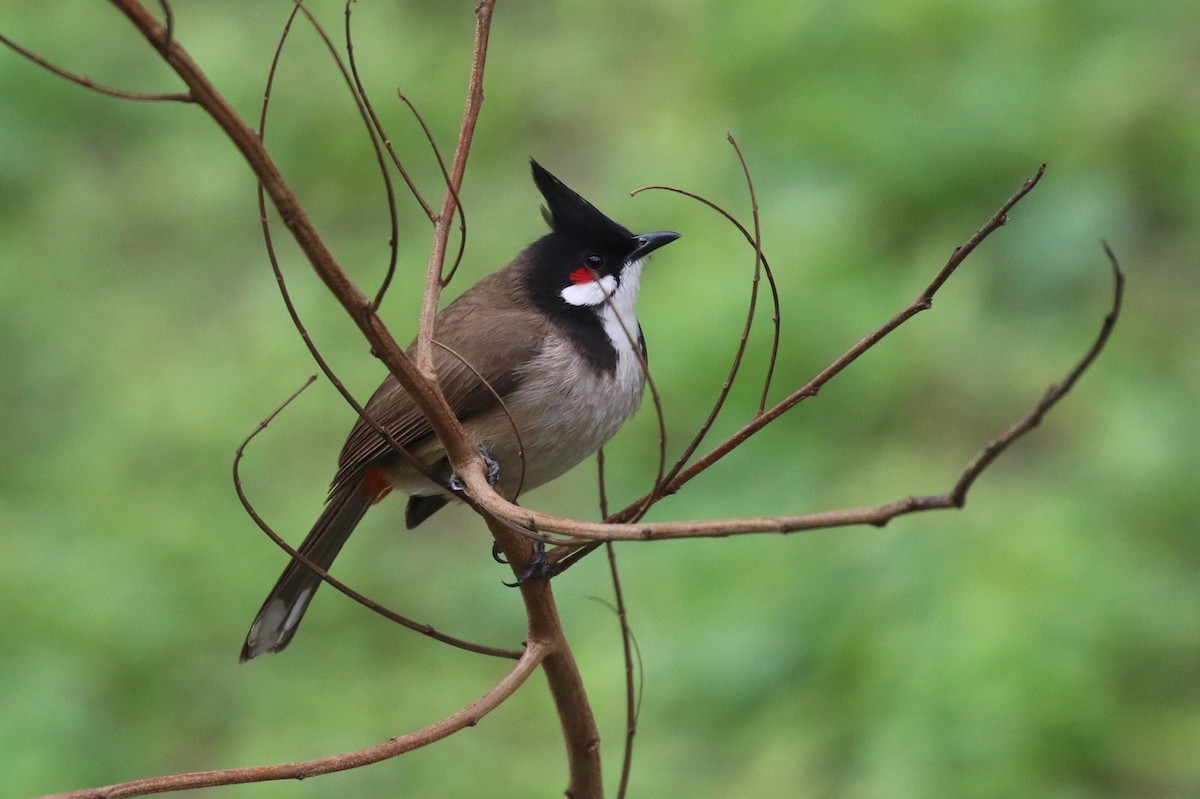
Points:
(587, 259)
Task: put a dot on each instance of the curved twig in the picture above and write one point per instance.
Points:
(876, 515)
(447, 274)
(761, 265)
(99, 88)
(468, 716)
(441, 230)
(377, 133)
(760, 260)
(633, 677)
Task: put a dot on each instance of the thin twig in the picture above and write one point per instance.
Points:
(441, 230)
(447, 274)
(810, 389)
(468, 716)
(1056, 392)
(88, 83)
(761, 265)
(877, 515)
(632, 693)
(759, 259)
(378, 134)
(632, 690)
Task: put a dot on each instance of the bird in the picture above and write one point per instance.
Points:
(542, 361)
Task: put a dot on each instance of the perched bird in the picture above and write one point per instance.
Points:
(542, 361)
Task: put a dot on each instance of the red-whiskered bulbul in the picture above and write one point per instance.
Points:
(542, 361)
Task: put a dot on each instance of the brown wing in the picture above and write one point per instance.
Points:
(493, 344)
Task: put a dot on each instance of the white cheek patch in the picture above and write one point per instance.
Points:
(591, 293)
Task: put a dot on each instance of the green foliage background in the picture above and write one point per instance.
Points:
(1045, 641)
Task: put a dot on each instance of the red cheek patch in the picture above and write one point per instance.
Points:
(582, 275)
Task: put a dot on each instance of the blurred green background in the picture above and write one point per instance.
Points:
(1044, 641)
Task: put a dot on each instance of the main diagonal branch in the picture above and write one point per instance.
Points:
(424, 390)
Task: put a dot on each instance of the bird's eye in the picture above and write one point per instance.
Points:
(595, 261)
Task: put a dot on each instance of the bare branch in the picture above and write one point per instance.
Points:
(575, 715)
(378, 135)
(1056, 392)
(469, 716)
(424, 391)
(441, 231)
(875, 515)
(922, 303)
(633, 691)
(447, 274)
(88, 83)
(761, 265)
(268, 242)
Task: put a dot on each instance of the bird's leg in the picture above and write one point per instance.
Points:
(493, 477)
(538, 567)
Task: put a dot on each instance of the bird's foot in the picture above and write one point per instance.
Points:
(497, 555)
(539, 567)
(493, 472)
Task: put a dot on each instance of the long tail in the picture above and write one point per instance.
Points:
(281, 613)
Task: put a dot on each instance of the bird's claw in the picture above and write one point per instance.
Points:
(493, 473)
(539, 567)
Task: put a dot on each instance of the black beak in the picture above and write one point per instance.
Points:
(648, 243)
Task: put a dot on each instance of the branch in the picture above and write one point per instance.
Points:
(880, 515)
(922, 303)
(469, 716)
(761, 266)
(441, 230)
(874, 515)
(575, 715)
(268, 243)
(425, 392)
(88, 83)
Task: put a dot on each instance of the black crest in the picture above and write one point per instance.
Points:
(569, 214)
